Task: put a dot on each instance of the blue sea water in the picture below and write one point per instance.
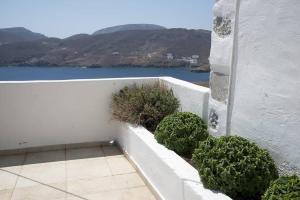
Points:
(64, 73)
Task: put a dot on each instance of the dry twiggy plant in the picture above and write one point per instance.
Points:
(144, 105)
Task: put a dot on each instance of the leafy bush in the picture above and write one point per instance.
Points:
(284, 188)
(144, 105)
(181, 132)
(235, 166)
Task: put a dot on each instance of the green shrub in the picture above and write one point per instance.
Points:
(181, 132)
(284, 188)
(144, 105)
(234, 166)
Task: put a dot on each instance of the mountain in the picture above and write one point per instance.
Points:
(133, 47)
(77, 36)
(18, 34)
(129, 27)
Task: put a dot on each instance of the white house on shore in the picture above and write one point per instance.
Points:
(170, 56)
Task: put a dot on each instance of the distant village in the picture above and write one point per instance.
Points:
(192, 60)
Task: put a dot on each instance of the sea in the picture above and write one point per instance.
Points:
(24, 73)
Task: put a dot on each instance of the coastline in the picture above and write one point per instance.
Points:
(8, 73)
(192, 69)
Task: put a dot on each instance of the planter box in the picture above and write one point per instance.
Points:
(168, 174)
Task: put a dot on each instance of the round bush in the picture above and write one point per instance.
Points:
(284, 188)
(234, 166)
(181, 132)
(144, 105)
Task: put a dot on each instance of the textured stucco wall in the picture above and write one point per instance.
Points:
(255, 80)
(266, 106)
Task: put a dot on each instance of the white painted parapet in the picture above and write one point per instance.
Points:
(193, 98)
(42, 113)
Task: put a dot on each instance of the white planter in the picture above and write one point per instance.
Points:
(168, 174)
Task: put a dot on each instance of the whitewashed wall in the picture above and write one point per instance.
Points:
(193, 98)
(264, 92)
(41, 113)
(266, 104)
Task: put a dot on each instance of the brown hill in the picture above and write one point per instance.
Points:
(133, 47)
(18, 34)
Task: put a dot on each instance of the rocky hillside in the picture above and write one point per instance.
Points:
(18, 34)
(129, 47)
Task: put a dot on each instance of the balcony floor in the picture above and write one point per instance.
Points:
(100, 173)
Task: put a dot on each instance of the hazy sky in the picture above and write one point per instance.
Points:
(62, 18)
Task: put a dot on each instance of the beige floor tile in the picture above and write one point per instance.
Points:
(100, 173)
(12, 163)
(6, 194)
(28, 191)
(90, 186)
(111, 150)
(87, 168)
(107, 195)
(139, 193)
(128, 181)
(119, 165)
(7, 180)
(45, 157)
(84, 153)
(47, 173)
(96, 185)
(75, 197)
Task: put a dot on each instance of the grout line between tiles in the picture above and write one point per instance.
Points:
(47, 185)
(18, 175)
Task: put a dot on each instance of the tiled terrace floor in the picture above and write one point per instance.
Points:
(100, 173)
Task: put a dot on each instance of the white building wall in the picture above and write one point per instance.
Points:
(266, 88)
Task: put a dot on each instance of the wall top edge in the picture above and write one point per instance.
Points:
(186, 84)
(79, 80)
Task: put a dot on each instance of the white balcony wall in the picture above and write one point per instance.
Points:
(39, 113)
(42, 113)
(193, 98)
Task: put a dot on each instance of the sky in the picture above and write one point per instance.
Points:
(63, 18)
